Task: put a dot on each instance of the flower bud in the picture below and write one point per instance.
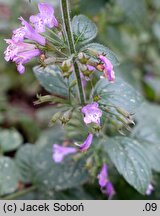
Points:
(89, 163)
(66, 66)
(66, 117)
(83, 58)
(122, 112)
(124, 121)
(96, 98)
(43, 99)
(100, 67)
(67, 74)
(126, 115)
(54, 118)
(87, 70)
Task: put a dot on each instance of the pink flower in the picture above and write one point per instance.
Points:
(92, 113)
(149, 189)
(44, 18)
(107, 68)
(59, 152)
(31, 34)
(83, 80)
(18, 34)
(106, 186)
(85, 146)
(103, 176)
(20, 53)
(91, 68)
(24, 57)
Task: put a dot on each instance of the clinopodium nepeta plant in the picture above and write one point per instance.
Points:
(95, 108)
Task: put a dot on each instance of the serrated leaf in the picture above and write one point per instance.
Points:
(10, 140)
(84, 30)
(24, 160)
(119, 94)
(101, 49)
(8, 176)
(130, 160)
(50, 78)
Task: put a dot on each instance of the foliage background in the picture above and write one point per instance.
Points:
(131, 28)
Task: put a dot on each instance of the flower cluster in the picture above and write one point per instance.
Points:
(107, 68)
(88, 67)
(22, 52)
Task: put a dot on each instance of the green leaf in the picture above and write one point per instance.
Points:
(154, 86)
(130, 160)
(84, 30)
(81, 131)
(50, 175)
(24, 160)
(148, 123)
(156, 29)
(8, 176)
(50, 78)
(87, 9)
(50, 136)
(10, 140)
(152, 151)
(119, 94)
(99, 48)
(129, 73)
(135, 10)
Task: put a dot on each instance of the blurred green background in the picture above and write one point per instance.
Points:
(131, 28)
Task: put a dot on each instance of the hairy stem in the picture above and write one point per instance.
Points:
(69, 34)
(19, 193)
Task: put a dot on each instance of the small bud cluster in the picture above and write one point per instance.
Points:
(101, 64)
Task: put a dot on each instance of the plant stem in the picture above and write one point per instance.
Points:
(68, 30)
(19, 193)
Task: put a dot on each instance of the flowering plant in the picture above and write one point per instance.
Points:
(94, 107)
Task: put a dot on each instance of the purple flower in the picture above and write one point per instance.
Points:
(38, 23)
(107, 68)
(25, 57)
(31, 34)
(102, 177)
(106, 186)
(87, 143)
(149, 189)
(92, 113)
(83, 80)
(108, 190)
(20, 53)
(59, 152)
(18, 34)
(45, 17)
(91, 68)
